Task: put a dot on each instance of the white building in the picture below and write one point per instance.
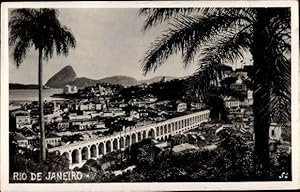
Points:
(197, 105)
(21, 119)
(21, 140)
(119, 113)
(84, 124)
(63, 125)
(53, 140)
(105, 91)
(181, 107)
(275, 132)
(100, 125)
(79, 117)
(242, 74)
(231, 102)
(99, 106)
(134, 115)
(238, 85)
(69, 89)
(249, 94)
(93, 115)
(87, 106)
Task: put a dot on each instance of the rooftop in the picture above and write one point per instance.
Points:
(52, 135)
(183, 147)
(19, 137)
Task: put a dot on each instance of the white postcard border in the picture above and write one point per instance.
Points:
(152, 186)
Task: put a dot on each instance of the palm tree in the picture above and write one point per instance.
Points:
(224, 36)
(41, 29)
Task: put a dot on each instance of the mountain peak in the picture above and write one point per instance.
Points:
(61, 78)
(68, 76)
(68, 67)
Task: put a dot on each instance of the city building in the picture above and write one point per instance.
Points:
(20, 139)
(105, 91)
(87, 106)
(198, 105)
(249, 94)
(20, 119)
(64, 125)
(231, 102)
(183, 148)
(238, 85)
(79, 117)
(275, 132)
(238, 124)
(52, 140)
(69, 89)
(82, 125)
(100, 125)
(181, 107)
(134, 115)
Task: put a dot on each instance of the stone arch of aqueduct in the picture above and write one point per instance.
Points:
(78, 153)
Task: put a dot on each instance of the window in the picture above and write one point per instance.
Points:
(273, 132)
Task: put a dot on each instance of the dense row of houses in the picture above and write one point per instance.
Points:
(87, 116)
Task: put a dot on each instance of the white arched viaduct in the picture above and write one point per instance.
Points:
(78, 153)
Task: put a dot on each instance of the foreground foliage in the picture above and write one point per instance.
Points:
(219, 36)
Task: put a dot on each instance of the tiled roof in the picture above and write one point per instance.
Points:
(19, 137)
(19, 112)
(183, 147)
(51, 135)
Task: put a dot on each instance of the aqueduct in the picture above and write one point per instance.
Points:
(78, 153)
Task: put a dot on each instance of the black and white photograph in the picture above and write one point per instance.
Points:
(126, 95)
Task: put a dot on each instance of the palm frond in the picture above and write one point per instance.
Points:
(20, 49)
(184, 32)
(273, 77)
(228, 49)
(20, 25)
(39, 28)
(61, 41)
(243, 22)
(278, 51)
(20, 33)
(156, 16)
(280, 91)
(23, 14)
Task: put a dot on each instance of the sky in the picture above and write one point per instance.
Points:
(109, 42)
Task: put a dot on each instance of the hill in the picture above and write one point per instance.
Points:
(120, 80)
(67, 76)
(62, 78)
(157, 79)
(22, 86)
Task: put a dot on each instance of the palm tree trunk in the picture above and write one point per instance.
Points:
(261, 109)
(41, 108)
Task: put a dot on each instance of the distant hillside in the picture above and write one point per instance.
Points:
(62, 78)
(67, 76)
(83, 82)
(22, 86)
(157, 79)
(120, 80)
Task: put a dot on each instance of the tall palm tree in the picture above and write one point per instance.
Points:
(40, 29)
(224, 36)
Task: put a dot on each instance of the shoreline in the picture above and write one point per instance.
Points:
(30, 95)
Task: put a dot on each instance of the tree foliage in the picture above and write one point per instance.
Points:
(219, 36)
(25, 163)
(38, 28)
